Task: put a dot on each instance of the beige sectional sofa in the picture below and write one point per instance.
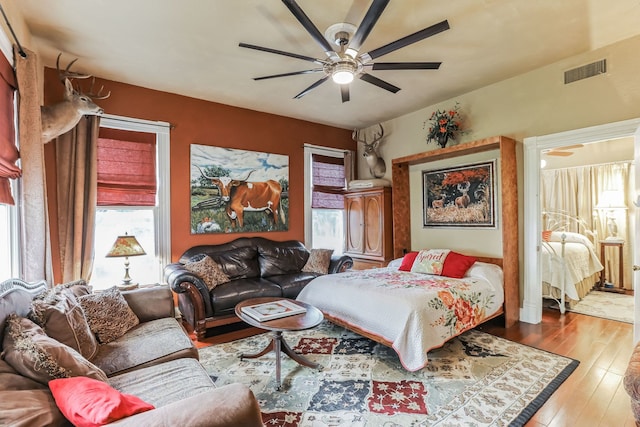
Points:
(155, 361)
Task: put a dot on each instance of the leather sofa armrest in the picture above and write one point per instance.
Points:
(340, 263)
(183, 281)
(232, 405)
(151, 303)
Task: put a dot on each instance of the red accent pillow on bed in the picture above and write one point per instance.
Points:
(87, 402)
(456, 265)
(442, 262)
(407, 261)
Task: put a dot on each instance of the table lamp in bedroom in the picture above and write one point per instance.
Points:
(611, 201)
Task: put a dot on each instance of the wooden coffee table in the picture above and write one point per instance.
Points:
(310, 319)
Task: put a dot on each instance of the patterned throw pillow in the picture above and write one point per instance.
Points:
(59, 313)
(208, 271)
(35, 355)
(442, 262)
(108, 314)
(319, 261)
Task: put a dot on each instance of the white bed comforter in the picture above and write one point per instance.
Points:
(580, 261)
(416, 312)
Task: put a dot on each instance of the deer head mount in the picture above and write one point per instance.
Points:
(63, 116)
(376, 164)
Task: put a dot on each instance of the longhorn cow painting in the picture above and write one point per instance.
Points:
(461, 196)
(238, 190)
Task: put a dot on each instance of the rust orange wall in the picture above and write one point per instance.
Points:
(207, 123)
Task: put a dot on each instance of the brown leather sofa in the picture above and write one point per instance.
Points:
(257, 267)
(155, 361)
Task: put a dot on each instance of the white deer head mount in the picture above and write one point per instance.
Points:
(376, 164)
(63, 116)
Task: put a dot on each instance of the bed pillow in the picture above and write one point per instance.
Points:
(88, 403)
(108, 314)
(546, 235)
(210, 272)
(319, 261)
(442, 262)
(407, 261)
(37, 356)
(569, 237)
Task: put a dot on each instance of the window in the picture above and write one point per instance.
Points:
(326, 172)
(9, 225)
(133, 198)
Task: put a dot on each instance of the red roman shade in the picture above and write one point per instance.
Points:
(126, 173)
(8, 151)
(328, 182)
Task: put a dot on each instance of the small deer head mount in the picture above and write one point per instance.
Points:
(376, 164)
(63, 116)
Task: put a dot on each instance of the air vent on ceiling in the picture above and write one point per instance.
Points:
(585, 71)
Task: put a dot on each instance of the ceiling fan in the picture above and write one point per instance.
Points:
(346, 63)
(563, 151)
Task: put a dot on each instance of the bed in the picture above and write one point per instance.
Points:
(568, 260)
(411, 312)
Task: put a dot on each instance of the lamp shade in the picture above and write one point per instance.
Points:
(611, 199)
(126, 246)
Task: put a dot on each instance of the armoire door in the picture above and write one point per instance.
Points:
(354, 212)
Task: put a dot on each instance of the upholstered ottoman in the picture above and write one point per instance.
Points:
(632, 382)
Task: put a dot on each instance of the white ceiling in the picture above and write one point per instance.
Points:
(190, 47)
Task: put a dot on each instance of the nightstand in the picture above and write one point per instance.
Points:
(603, 274)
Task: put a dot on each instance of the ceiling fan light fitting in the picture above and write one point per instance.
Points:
(342, 77)
(351, 52)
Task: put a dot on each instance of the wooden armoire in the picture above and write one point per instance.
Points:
(368, 222)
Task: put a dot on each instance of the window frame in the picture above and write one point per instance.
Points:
(14, 212)
(309, 150)
(162, 210)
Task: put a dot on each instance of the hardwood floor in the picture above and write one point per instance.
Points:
(593, 395)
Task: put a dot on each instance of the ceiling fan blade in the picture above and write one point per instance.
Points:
(281, 52)
(344, 92)
(571, 147)
(369, 20)
(378, 82)
(411, 38)
(406, 65)
(310, 88)
(559, 153)
(294, 73)
(309, 26)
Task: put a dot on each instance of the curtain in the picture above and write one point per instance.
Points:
(76, 160)
(36, 243)
(8, 150)
(126, 172)
(577, 191)
(328, 177)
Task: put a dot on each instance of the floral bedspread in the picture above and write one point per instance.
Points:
(414, 311)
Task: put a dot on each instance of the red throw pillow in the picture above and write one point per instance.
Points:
(86, 402)
(456, 265)
(407, 261)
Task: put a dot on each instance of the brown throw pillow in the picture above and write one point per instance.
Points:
(210, 272)
(59, 313)
(37, 356)
(108, 314)
(318, 262)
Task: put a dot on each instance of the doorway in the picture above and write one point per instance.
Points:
(531, 311)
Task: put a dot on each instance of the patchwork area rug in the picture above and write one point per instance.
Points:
(607, 305)
(476, 379)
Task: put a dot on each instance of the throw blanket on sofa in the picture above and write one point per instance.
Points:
(415, 312)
